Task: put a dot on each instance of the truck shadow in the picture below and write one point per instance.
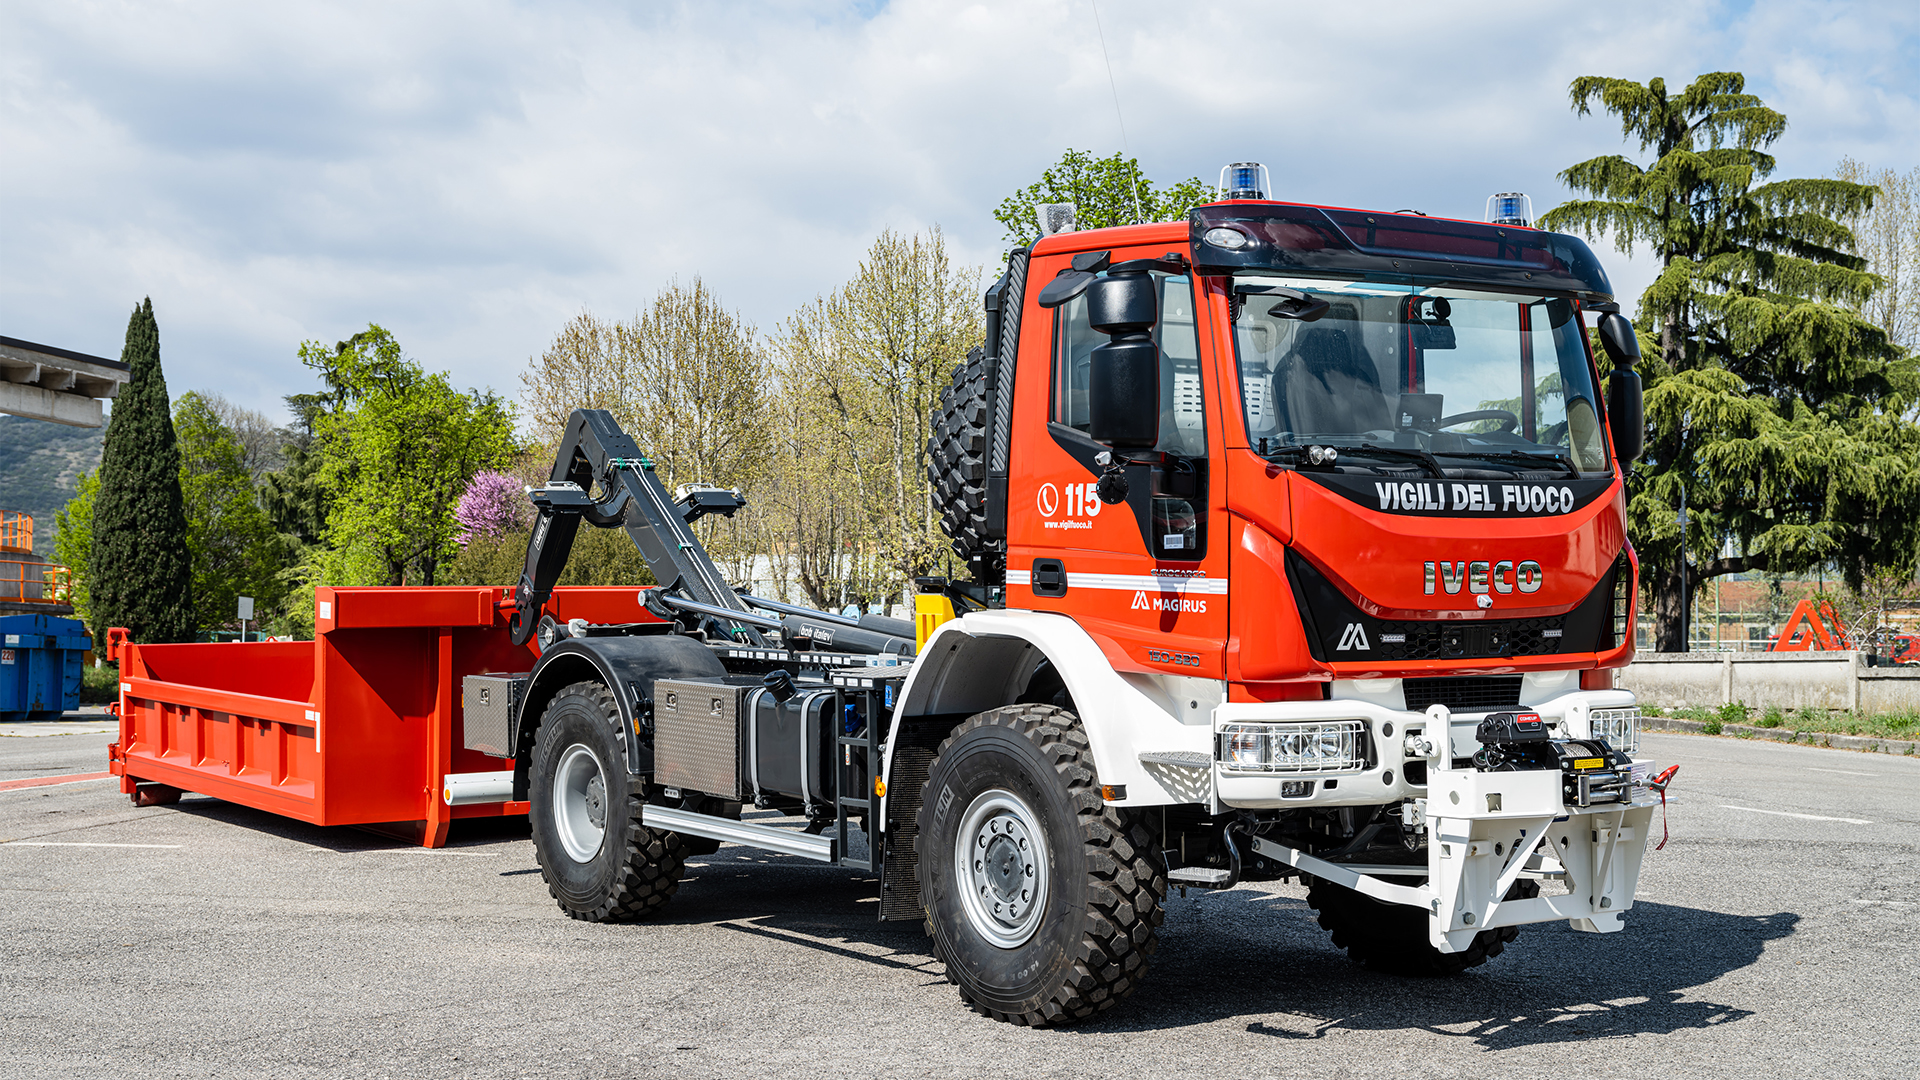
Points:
(1252, 954)
(1553, 984)
(1258, 955)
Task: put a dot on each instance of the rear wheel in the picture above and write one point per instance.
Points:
(1042, 901)
(599, 861)
(1392, 938)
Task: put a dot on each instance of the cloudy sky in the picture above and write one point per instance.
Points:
(471, 175)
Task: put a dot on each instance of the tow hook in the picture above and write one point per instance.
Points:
(1659, 784)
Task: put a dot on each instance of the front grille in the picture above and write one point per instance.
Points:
(1474, 693)
(1480, 639)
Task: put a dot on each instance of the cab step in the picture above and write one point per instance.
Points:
(1179, 759)
(1199, 877)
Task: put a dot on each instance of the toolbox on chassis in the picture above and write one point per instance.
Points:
(1297, 550)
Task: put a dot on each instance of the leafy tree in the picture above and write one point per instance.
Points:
(1104, 191)
(73, 548)
(599, 557)
(860, 373)
(295, 499)
(141, 576)
(1775, 410)
(235, 550)
(1889, 239)
(493, 503)
(689, 380)
(397, 447)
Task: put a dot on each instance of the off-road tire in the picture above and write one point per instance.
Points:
(1101, 912)
(1392, 938)
(957, 469)
(636, 869)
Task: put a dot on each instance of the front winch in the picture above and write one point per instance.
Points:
(1592, 772)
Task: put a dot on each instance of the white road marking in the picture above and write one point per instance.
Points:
(75, 843)
(1842, 772)
(1805, 817)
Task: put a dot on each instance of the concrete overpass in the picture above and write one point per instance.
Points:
(45, 383)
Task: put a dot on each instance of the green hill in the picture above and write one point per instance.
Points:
(40, 466)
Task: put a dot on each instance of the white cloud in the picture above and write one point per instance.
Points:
(473, 174)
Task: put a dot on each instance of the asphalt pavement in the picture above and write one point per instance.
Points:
(1772, 937)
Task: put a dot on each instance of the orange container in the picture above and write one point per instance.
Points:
(357, 727)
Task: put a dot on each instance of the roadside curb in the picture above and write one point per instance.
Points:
(1824, 739)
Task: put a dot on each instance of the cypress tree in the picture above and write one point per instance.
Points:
(141, 569)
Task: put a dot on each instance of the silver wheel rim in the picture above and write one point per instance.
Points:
(580, 803)
(1001, 859)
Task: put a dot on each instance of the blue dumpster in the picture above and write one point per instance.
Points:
(40, 657)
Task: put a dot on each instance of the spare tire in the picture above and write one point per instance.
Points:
(957, 470)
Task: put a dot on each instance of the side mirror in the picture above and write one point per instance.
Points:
(1626, 410)
(1427, 320)
(1617, 338)
(1123, 383)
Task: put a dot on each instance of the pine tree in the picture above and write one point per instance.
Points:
(141, 570)
(1776, 413)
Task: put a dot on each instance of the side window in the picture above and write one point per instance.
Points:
(1175, 528)
(1183, 427)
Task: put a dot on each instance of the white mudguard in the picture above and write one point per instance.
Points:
(981, 660)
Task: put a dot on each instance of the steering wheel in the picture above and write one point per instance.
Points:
(1508, 421)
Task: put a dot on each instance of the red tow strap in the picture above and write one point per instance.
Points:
(1659, 784)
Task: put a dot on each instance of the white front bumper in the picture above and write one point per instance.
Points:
(1484, 830)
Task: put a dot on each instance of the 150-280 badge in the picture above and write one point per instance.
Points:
(1182, 659)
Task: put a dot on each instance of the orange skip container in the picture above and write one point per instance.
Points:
(357, 727)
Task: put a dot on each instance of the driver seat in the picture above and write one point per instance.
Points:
(1330, 389)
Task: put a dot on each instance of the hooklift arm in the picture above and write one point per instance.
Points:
(595, 451)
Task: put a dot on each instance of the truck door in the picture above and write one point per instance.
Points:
(1147, 576)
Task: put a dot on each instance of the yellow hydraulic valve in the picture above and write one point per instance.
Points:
(931, 607)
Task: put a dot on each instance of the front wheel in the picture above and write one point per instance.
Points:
(1392, 938)
(599, 861)
(1042, 901)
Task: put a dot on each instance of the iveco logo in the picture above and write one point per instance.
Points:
(1502, 577)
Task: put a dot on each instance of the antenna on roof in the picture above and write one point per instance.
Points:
(1138, 217)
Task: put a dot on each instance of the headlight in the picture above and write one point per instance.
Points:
(1619, 727)
(1320, 746)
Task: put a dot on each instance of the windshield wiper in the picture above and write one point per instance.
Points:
(1519, 457)
(1404, 453)
(1299, 453)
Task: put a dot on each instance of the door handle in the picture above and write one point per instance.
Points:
(1049, 577)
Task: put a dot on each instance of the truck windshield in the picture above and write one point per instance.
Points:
(1479, 381)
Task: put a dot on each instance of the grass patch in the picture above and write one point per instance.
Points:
(1895, 725)
(99, 685)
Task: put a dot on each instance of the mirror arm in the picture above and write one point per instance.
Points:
(1113, 487)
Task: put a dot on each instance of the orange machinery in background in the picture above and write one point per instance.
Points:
(357, 727)
(28, 580)
(1814, 625)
